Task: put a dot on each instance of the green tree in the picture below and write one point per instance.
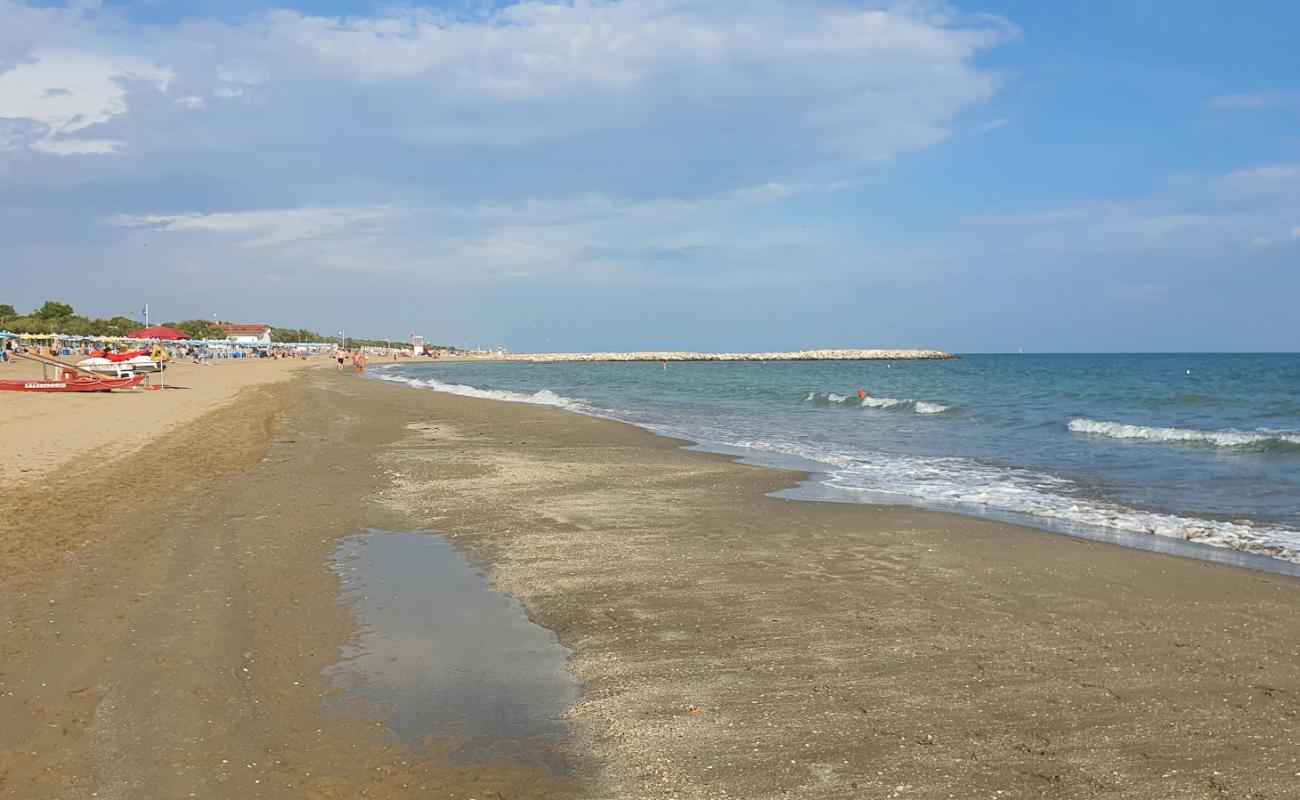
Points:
(7, 311)
(53, 309)
(24, 325)
(295, 335)
(197, 328)
(119, 325)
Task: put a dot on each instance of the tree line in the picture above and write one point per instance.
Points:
(56, 317)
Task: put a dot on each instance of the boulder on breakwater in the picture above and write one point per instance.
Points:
(801, 355)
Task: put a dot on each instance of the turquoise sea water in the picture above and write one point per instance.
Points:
(1153, 450)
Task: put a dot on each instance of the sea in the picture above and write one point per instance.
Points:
(1193, 454)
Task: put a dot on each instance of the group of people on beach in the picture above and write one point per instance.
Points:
(358, 361)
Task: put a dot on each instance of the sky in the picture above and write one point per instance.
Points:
(972, 176)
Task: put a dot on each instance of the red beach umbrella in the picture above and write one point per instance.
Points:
(158, 332)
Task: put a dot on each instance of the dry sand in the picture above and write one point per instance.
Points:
(42, 432)
(729, 644)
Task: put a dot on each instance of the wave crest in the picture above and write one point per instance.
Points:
(964, 484)
(885, 403)
(542, 397)
(1243, 440)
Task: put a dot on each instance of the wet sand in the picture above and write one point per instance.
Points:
(728, 643)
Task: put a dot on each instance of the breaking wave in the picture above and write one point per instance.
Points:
(959, 483)
(886, 403)
(543, 397)
(1245, 440)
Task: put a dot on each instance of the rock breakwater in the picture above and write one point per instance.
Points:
(800, 355)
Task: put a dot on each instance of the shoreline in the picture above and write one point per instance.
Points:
(727, 642)
(1074, 573)
(811, 489)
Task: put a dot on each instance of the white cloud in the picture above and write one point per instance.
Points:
(992, 125)
(1280, 180)
(662, 97)
(240, 71)
(588, 238)
(72, 147)
(1034, 218)
(1247, 102)
(1217, 214)
(595, 143)
(868, 84)
(1287, 238)
(66, 92)
(263, 228)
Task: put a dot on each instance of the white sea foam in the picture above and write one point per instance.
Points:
(958, 483)
(962, 483)
(883, 402)
(923, 407)
(1256, 440)
(919, 406)
(543, 397)
(886, 403)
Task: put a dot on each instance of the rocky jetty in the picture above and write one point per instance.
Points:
(801, 355)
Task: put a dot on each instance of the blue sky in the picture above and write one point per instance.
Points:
(755, 174)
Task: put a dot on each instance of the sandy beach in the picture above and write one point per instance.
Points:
(42, 432)
(170, 610)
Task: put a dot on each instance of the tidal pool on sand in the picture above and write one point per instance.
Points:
(444, 654)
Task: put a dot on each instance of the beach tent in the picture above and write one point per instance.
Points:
(158, 332)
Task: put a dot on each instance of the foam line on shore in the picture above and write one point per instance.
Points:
(543, 397)
(948, 483)
(957, 483)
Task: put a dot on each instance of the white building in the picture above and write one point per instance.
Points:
(245, 334)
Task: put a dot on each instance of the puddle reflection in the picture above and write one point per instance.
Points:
(447, 656)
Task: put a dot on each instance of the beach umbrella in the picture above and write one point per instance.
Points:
(158, 332)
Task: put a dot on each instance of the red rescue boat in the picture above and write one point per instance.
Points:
(76, 384)
(69, 379)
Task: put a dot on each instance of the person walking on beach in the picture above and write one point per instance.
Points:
(339, 368)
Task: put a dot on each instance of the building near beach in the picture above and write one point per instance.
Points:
(244, 334)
